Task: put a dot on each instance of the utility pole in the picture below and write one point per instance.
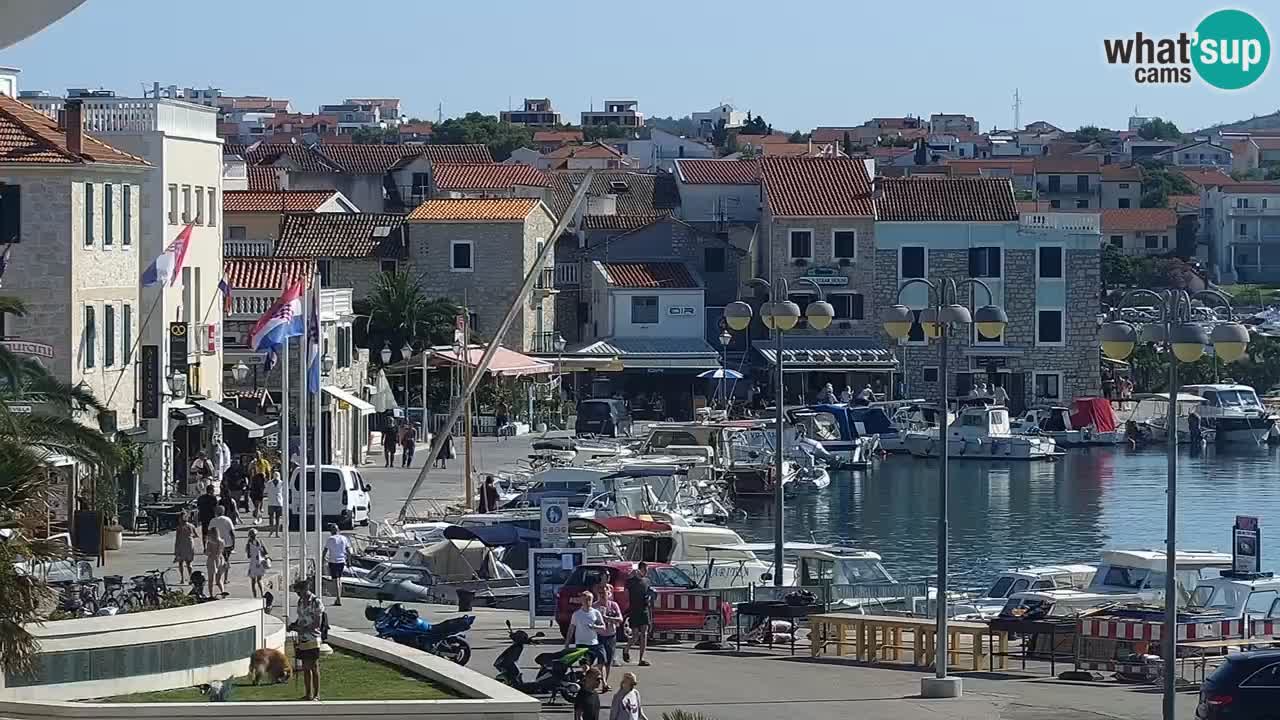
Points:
(1017, 109)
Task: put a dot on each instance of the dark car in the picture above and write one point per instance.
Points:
(603, 417)
(1244, 687)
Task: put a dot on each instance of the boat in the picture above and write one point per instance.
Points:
(435, 574)
(1092, 423)
(1234, 412)
(981, 432)
(809, 478)
(907, 415)
(849, 433)
(988, 604)
(1137, 576)
(1148, 422)
(715, 557)
(736, 454)
(1233, 594)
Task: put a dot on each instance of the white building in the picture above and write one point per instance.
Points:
(708, 121)
(1240, 223)
(622, 113)
(661, 150)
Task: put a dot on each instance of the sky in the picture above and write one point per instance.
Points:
(799, 64)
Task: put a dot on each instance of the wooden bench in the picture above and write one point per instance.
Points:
(875, 638)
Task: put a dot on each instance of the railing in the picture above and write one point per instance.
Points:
(546, 279)
(103, 116)
(248, 248)
(544, 342)
(1237, 211)
(1073, 222)
(566, 274)
(1257, 273)
(413, 195)
(254, 305)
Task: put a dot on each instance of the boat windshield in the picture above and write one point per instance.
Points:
(1233, 599)
(863, 571)
(1238, 398)
(820, 426)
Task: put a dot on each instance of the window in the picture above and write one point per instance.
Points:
(126, 205)
(912, 263)
(845, 244)
(984, 262)
(1124, 186)
(1082, 204)
(108, 232)
(848, 306)
(1117, 241)
(1267, 677)
(88, 214)
(644, 310)
(1151, 242)
(713, 259)
(421, 183)
(460, 256)
(1048, 386)
(1055, 204)
(237, 233)
(344, 347)
(1082, 183)
(801, 244)
(90, 338)
(387, 266)
(802, 298)
(1050, 262)
(173, 204)
(199, 205)
(1242, 202)
(126, 333)
(1244, 229)
(186, 203)
(324, 266)
(213, 207)
(1164, 242)
(1122, 203)
(1264, 203)
(1049, 327)
(1055, 183)
(109, 335)
(930, 375)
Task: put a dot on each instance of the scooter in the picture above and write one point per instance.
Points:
(559, 672)
(445, 639)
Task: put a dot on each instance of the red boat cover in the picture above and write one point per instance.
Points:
(633, 524)
(1094, 411)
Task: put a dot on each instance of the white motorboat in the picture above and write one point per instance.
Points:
(807, 479)
(1234, 412)
(848, 435)
(1011, 582)
(1132, 576)
(1092, 423)
(1149, 418)
(981, 432)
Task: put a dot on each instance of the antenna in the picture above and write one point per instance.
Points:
(439, 113)
(1017, 109)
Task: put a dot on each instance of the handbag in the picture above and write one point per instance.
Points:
(452, 454)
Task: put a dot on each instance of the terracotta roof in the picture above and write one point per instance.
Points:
(29, 136)
(1191, 202)
(644, 194)
(1255, 186)
(468, 210)
(341, 235)
(486, 176)
(890, 153)
(302, 157)
(620, 222)
(1068, 164)
(418, 128)
(1205, 177)
(263, 178)
(245, 201)
(1138, 219)
(922, 198)
(779, 138)
(718, 172)
(663, 275)
(358, 159)
(1118, 173)
(561, 136)
(593, 151)
(791, 149)
(265, 273)
(833, 134)
(817, 187)
(975, 167)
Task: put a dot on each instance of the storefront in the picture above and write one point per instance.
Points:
(345, 425)
(810, 362)
(658, 377)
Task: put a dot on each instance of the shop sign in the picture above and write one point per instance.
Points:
(828, 280)
(150, 359)
(23, 347)
(684, 311)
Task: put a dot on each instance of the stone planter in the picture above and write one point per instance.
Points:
(112, 537)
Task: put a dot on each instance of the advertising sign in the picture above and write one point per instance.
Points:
(179, 346)
(150, 381)
(555, 522)
(549, 570)
(1246, 545)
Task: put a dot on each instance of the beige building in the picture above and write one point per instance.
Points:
(1141, 231)
(252, 219)
(1121, 186)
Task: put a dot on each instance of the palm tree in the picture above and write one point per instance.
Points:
(399, 312)
(27, 442)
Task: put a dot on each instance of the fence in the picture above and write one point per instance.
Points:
(1113, 644)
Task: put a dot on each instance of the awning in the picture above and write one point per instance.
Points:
(186, 415)
(252, 428)
(829, 353)
(505, 362)
(346, 397)
(675, 353)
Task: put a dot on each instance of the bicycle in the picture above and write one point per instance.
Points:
(148, 591)
(112, 592)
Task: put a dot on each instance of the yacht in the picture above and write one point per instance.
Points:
(981, 432)
(1149, 419)
(849, 433)
(1234, 412)
(987, 605)
(1092, 423)
(1127, 576)
(907, 415)
(716, 557)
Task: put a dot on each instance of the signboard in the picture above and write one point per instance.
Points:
(833, 280)
(23, 347)
(179, 346)
(1246, 545)
(150, 359)
(682, 311)
(549, 570)
(554, 522)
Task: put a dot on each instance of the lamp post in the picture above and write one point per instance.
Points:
(406, 352)
(936, 321)
(779, 315)
(240, 372)
(1185, 341)
(558, 343)
(385, 354)
(725, 339)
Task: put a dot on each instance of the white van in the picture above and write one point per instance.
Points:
(345, 497)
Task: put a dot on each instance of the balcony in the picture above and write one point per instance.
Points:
(247, 248)
(1252, 211)
(543, 343)
(545, 284)
(1077, 222)
(411, 196)
(566, 274)
(1257, 239)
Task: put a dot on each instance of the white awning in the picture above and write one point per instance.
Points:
(346, 397)
(254, 429)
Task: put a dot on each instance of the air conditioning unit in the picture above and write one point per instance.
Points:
(209, 339)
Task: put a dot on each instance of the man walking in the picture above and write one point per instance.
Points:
(226, 531)
(205, 505)
(389, 441)
(639, 595)
(335, 552)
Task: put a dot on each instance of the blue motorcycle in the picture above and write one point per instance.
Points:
(445, 639)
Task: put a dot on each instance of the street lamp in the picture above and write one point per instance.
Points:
(725, 339)
(326, 364)
(386, 354)
(1186, 342)
(779, 314)
(240, 372)
(936, 321)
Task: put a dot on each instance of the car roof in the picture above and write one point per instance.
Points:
(1255, 656)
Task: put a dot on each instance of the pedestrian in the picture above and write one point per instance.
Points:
(213, 563)
(222, 526)
(184, 546)
(389, 442)
(221, 455)
(609, 636)
(501, 420)
(228, 502)
(489, 496)
(408, 436)
(257, 493)
(205, 505)
(446, 452)
(1001, 395)
(309, 618)
(846, 395)
(260, 464)
(586, 705)
(336, 548)
(275, 508)
(201, 468)
(639, 594)
(259, 561)
(826, 395)
(626, 704)
(585, 626)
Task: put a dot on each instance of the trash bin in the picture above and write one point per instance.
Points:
(466, 598)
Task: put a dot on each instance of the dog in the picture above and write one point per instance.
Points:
(270, 664)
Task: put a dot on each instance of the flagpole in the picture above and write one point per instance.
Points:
(133, 352)
(302, 435)
(285, 474)
(319, 435)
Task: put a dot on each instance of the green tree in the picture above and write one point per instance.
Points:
(603, 132)
(1159, 182)
(375, 136)
(400, 312)
(477, 128)
(797, 137)
(676, 126)
(893, 141)
(1117, 268)
(1157, 129)
(720, 135)
(755, 126)
(1088, 134)
(27, 441)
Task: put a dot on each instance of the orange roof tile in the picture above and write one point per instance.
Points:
(1206, 177)
(1191, 202)
(817, 187)
(29, 136)
(1138, 219)
(718, 172)
(262, 177)
(245, 201)
(928, 198)
(560, 136)
(664, 275)
(487, 176)
(1118, 173)
(1251, 186)
(265, 273)
(975, 167)
(1068, 164)
(477, 210)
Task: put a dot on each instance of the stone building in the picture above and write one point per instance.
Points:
(1042, 268)
(349, 249)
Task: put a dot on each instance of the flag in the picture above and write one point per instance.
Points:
(280, 322)
(166, 268)
(313, 345)
(269, 361)
(4, 260)
(226, 289)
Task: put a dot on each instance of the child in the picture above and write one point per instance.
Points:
(586, 706)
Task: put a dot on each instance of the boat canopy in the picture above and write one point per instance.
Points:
(456, 560)
(768, 546)
(1182, 397)
(849, 421)
(632, 525)
(870, 421)
(1096, 412)
(646, 471)
(505, 535)
(565, 444)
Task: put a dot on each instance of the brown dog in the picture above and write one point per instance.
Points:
(271, 664)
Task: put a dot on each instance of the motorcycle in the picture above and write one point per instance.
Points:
(559, 672)
(405, 627)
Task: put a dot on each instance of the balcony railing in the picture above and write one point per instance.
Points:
(413, 195)
(546, 280)
(1081, 222)
(566, 274)
(103, 116)
(1255, 238)
(544, 342)
(1253, 210)
(248, 248)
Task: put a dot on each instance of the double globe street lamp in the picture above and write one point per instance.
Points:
(1186, 341)
(779, 314)
(936, 322)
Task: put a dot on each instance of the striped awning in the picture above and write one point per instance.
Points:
(829, 353)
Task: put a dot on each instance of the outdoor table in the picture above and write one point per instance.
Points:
(872, 633)
(772, 610)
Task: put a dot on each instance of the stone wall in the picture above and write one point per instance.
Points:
(861, 272)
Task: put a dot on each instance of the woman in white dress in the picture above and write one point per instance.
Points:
(259, 562)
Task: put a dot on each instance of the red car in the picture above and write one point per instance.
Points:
(663, 578)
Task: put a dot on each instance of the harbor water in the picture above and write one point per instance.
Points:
(1007, 514)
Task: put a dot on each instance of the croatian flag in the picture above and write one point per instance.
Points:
(313, 345)
(166, 268)
(282, 321)
(225, 288)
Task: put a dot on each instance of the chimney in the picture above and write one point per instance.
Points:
(74, 125)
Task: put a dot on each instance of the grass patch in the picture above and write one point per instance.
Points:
(343, 676)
